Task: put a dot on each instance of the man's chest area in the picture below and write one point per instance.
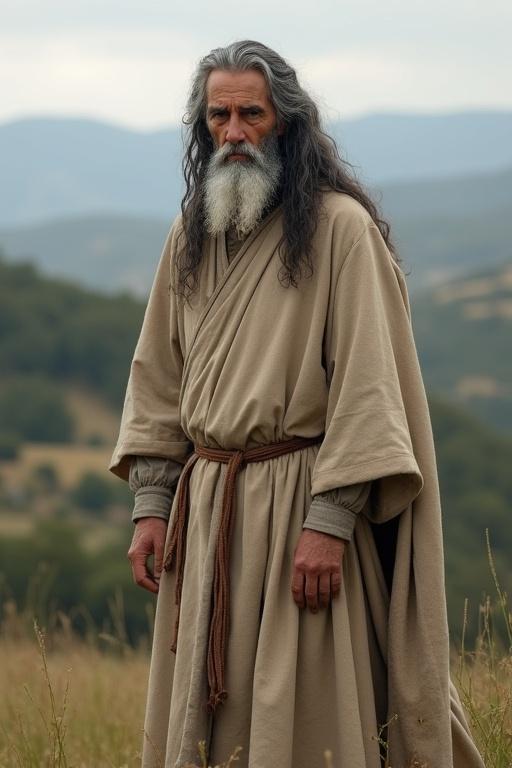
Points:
(261, 316)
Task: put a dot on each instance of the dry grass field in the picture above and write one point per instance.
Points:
(74, 703)
(70, 462)
(92, 416)
(96, 429)
(71, 704)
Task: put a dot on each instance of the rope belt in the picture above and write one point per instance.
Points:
(219, 622)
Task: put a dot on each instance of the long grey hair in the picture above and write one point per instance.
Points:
(311, 162)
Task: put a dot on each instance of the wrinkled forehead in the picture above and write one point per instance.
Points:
(237, 87)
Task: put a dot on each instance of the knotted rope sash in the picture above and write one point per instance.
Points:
(219, 621)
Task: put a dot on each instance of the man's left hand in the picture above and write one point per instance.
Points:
(317, 569)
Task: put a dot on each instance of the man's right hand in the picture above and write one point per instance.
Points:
(148, 539)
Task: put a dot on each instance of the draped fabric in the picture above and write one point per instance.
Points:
(247, 362)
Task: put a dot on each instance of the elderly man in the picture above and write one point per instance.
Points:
(276, 416)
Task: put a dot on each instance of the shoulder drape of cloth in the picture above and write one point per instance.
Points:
(248, 362)
(379, 429)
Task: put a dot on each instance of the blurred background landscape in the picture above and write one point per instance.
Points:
(418, 98)
(85, 208)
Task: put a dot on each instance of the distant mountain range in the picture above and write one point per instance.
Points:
(442, 229)
(475, 193)
(54, 167)
(106, 253)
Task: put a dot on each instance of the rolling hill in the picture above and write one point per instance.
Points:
(105, 253)
(442, 229)
(438, 248)
(458, 196)
(463, 330)
(53, 167)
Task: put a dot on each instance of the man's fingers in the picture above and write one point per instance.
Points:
(298, 588)
(335, 584)
(311, 592)
(159, 556)
(324, 589)
(147, 583)
(141, 575)
(318, 557)
(148, 539)
(315, 591)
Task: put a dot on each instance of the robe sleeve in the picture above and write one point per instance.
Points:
(153, 481)
(150, 423)
(335, 512)
(370, 357)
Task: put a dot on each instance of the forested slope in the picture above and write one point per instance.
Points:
(463, 332)
(61, 333)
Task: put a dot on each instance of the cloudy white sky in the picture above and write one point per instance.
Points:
(130, 61)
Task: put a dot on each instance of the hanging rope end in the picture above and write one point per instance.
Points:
(169, 560)
(216, 699)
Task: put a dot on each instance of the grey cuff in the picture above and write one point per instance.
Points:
(330, 518)
(153, 480)
(335, 511)
(152, 501)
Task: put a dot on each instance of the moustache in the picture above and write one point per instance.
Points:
(228, 149)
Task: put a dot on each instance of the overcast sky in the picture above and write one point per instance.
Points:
(130, 61)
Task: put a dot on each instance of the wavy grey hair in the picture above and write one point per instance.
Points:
(311, 162)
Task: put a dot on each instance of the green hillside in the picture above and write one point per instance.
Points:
(436, 249)
(59, 333)
(463, 331)
(476, 491)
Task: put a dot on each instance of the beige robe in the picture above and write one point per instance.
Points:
(249, 362)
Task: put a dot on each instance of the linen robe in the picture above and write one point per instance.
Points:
(247, 361)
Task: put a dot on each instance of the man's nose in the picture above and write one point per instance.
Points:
(234, 132)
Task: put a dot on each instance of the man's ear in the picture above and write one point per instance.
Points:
(280, 128)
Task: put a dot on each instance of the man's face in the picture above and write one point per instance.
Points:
(239, 109)
(244, 171)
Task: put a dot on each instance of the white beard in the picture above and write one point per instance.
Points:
(236, 192)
